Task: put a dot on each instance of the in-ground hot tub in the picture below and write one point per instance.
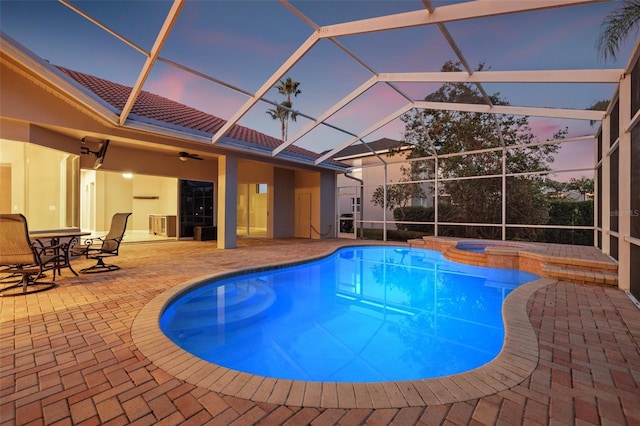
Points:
(480, 246)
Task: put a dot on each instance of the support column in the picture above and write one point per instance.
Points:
(605, 192)
(597, 191)
(504, 194)
(227, 201)
(624, 169)
(435, 197)
(328, 183)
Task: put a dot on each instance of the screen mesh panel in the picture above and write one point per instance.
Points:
(614, 247)
(599, 147)
(635, 271)
(615, 123)
(635, 182)
(613, 189)
(635, 89)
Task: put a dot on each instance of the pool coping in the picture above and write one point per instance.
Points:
(517, 361)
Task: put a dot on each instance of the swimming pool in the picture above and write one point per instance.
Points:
(363, 314)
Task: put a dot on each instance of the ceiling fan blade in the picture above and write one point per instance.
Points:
(183, 154)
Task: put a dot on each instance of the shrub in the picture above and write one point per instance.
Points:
(570, 213)
(393, 235)
(567, 213)
(414, 214)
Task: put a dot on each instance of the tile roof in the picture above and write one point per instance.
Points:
(158, 108)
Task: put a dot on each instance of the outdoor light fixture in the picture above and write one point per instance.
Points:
(127, 175)
(100, 154)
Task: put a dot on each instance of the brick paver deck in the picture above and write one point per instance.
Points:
(78, 354)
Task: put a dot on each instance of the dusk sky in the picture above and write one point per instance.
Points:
(242, 43)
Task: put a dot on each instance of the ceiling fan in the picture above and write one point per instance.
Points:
(184, 156)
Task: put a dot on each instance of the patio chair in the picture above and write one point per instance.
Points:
(22, 259)
(101, 247)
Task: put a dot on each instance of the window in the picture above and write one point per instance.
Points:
(46, 194)
(355, 204)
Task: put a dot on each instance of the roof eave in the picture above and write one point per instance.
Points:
(285, 155)
(148, 125)
(56, 79)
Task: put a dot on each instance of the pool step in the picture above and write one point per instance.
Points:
(246, 306)
(586, 276)
(233, 295)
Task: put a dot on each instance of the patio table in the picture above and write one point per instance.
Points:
(61, 240)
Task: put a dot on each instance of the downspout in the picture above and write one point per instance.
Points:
(346, 174)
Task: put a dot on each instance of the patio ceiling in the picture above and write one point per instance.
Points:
(378, 58)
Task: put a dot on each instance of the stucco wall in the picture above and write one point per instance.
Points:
(283, 217)
(35, 111)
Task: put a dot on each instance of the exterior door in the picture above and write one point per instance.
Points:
(303, 218)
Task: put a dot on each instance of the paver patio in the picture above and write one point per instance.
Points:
(68, 355)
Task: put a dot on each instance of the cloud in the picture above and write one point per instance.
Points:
(170, 84)
(544, 129)
(236, 42)
(195, 92)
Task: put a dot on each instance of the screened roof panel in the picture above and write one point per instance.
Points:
(189, 89)
(221, 56)
(63, 37)
(241, 43)
(559, 38)
(429, 49)
(372, 106)
(553, 95)
(123, 17)
(322, 83)
(331, 12)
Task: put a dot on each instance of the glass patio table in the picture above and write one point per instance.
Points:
(61, 240)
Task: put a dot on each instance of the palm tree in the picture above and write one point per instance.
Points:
(618, 24)
(283, 113)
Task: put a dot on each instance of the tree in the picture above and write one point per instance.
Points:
(583, 185)
(283, 112)
(400, 194)
(616, 27)
(480, 200)
(598, 106)
(554, 189)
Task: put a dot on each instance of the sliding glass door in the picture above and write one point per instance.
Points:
(253, 201)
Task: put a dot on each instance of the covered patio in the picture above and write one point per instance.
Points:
(69, 356)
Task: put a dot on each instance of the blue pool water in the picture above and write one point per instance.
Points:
(363, 314)
(472, 249)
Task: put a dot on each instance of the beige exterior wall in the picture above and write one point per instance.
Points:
(30, 102)
(371, 171)
(283, 216)
(307, 188)
(40, 143)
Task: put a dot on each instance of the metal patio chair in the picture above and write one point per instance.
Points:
(102, 247)
(22, 261)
